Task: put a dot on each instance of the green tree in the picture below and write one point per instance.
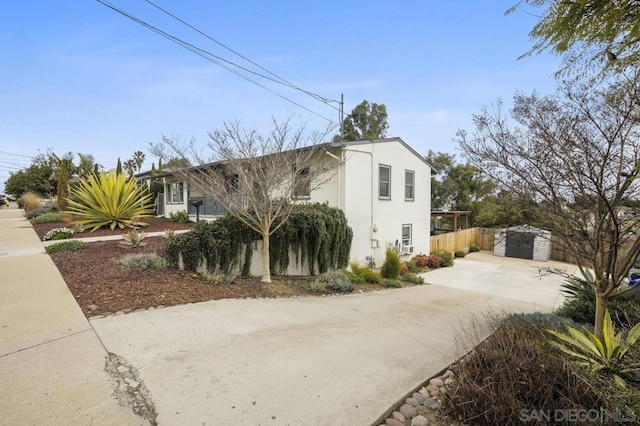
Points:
(86, 165)
(367, 121)
(64, 169)
(119, 166)
(129, 166)
(138, 158)
(457, 186)
(35, 178)
(588, 33)
(576, 155)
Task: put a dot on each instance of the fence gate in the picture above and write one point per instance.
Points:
(519, 244)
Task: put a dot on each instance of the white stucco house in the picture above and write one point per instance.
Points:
(383, 186)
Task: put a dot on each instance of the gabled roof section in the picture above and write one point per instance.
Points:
(434, 171)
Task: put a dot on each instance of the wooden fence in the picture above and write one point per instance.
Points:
(484, 238)
(461, 240)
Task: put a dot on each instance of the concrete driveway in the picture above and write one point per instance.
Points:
(517, 279)
(323, 361)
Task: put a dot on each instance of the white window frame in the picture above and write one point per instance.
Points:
(381, 182)
(173, 189)
(412, 186)
(409, 240)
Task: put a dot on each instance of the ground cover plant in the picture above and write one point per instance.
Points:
(72, 245)
(517, 375)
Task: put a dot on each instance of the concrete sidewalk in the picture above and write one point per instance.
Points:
(52, 363)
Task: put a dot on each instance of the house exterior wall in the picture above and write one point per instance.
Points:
(352, 185)
(377, 221)
(170, 207)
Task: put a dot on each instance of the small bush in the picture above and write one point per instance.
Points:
(73, 245)
(370, 276)
(413, 267)
(180, 216)
(460, 254)
(412, 278)
(58, 234)
(355, 279)
(404, 268)
(336, 281)
(144, 261)
(356, 268)
(446, 258)
(473, 248)
(420, 260)
(49, 217)
(30, 201)
(391, 265)
(318, 286)
(218, 278)
(391, 284)
(433, 262)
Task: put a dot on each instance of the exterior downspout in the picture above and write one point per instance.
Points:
(371, 224)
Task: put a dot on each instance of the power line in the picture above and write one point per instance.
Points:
(16, 155)
(282, 81)
(205, 54)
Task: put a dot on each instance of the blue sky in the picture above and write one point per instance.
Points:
(76, 76)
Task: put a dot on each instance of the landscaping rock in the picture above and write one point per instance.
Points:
(419, 421)
(421, 409)
(430, 403)
(449, 373)
(92, 307)
(398, 416)
(412, 402)
(119, 313)
(408, 411)
(432, 388)
(436, 382)
(448, 381)
(393, 422)
(419, 397)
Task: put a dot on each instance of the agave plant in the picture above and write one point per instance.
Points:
(133, 239)
(600, 354)
(109, 199)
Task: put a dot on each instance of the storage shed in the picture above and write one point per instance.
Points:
(524, 242)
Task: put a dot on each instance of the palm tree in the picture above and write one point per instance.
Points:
(129, 166)
(87, 165)
(138, 159)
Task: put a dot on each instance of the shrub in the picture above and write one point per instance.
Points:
(412, 266)
(446, 258)
(391, 284)
(460, 253)
(218, 278)
(433, 262)
(580, 305)
(58, 234)
(317, 285)
(144, 261)
(109, 199)
(47, 208)
(180, 216)
(391, 265)
(420, 260)
(355, 279)
(370, 276)
(516, 370)
(473, 248)
(49, 217)
(404, 268)
(367, 274)
(73, 245)
(412, 278)
(336, 281)
(30, 201)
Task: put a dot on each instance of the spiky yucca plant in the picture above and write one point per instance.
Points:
(109, 199)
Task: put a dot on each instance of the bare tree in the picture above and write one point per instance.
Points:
(576, 156)
(256, 178)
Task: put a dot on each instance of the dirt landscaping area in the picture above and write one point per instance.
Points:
(102, 286)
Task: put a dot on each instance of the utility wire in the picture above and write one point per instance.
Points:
(204, 54)
(16, 155)
(282, 81)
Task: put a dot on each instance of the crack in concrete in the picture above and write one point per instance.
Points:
(129, 390)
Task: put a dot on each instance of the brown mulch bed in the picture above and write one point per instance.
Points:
(154, 224)
(95, 277)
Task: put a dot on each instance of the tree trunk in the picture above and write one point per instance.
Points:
(601, 306)
(266, 269)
